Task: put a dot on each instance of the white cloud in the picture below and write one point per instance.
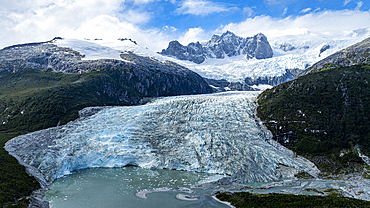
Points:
(193, 35)
(169, 28)
(346, 2)
(40, 20)
(25, 21)
(359, 5)
(275, 2)
(143, 1)
(285, 11)
(248, 11)
(200, 7)
(303, 11)
(327, 23)
(134, 16)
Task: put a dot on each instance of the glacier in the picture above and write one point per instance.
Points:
(212, 133)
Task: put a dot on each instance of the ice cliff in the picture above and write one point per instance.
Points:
(215, 133)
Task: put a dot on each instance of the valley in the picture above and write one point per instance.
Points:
(67, 105)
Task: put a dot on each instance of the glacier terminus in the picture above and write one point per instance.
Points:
(212, 133)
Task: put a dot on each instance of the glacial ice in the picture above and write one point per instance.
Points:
(214, 133)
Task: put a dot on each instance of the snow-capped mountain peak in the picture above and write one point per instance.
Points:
(220, 47)
(291, 54)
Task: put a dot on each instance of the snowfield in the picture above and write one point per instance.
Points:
(290, 52)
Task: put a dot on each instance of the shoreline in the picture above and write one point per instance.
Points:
(36, 197)
(223, 202)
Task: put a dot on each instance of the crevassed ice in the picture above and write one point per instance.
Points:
(215, 133)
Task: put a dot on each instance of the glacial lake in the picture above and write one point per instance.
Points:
(116, 187)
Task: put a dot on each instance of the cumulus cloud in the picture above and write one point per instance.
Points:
(200, 7)
(192, 35)
(326, 23)
(40, 20)
(134, 16)
(31, 21)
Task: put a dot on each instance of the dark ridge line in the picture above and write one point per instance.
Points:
(32, 44)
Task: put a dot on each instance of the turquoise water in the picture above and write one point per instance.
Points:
(116, 187)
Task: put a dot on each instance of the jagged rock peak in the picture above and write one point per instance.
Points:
(228, 44)
(129, 39)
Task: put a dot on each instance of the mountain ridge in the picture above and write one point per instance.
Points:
(219, 47)
(358, 53)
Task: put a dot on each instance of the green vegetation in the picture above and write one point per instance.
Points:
(15, 184)
(322, 116)
(31, 100)
(245, 199)
(326, 67)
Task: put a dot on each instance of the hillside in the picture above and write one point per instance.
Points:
(323, 115)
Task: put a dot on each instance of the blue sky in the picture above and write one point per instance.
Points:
(153, 23)
(210, 15)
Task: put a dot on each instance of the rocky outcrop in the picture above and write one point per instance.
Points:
(251, 83)
(358, 53)
(290, 47)
(224, 85)
(274, 80)
(323, 49)
(219, 47)
(43, 55)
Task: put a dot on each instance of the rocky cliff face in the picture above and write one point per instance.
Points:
(273, 80)
(358, 53)
(228, 44)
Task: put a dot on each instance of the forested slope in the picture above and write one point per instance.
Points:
(323, 115)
